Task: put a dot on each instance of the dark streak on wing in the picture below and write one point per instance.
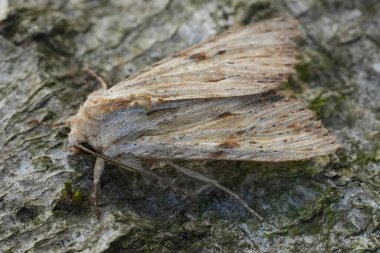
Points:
(229, 144)
(226, 114)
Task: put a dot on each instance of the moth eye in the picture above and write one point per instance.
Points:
(76, 151)
(88, 146)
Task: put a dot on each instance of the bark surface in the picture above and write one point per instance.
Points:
(325, 204)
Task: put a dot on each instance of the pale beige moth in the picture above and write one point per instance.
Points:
(214, 101)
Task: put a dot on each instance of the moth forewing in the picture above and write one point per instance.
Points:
(215, 101)
(243, 61)
(263, 127)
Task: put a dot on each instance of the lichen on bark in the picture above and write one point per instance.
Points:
(326, 204)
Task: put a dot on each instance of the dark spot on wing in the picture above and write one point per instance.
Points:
(229, 144)
(215, 79)
(181, 54)
(308, 128)
(221, 52)
(225, 115)
(217, 154)
(198, 57)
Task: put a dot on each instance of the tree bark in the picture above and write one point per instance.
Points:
(325, 204)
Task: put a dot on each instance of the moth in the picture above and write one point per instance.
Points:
(216, 100)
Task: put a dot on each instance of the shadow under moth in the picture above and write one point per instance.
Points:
(213, 101)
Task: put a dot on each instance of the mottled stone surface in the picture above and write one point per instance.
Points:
(323, 205)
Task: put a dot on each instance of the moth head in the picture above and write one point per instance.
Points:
(79, 134)
(76, 139)
(85, 125)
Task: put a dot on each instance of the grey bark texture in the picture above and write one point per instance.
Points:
(328, 204)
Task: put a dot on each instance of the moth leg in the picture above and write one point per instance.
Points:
(98, 170)
(188, 198)
(207, 180)
(102, 82)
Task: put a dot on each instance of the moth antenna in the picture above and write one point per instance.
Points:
(143, 172)
(60, 125)
(102, 82)
(207, 180)
(64, 122)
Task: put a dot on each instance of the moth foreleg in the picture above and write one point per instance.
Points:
(98, 170)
